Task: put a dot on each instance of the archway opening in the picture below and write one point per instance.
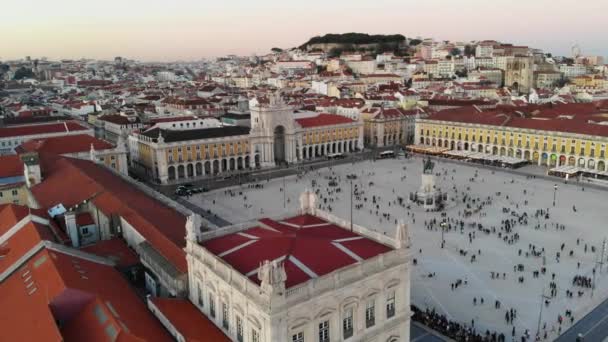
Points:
(279, 144)
(171, 172)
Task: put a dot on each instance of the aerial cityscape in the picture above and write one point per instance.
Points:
(347, 182)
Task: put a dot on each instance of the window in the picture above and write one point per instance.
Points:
(199, 290)
(211, 306)
(15, 192)
(255, 336)
(239, 329)
(225, 318)
(0, 194)
(85, 231)
(370, 314)
(390, 305)
(347, 324)
(324, 331)
(299, 337)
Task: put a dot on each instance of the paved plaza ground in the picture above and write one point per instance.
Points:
(502, 196)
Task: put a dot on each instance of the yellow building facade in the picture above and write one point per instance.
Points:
(542, 147)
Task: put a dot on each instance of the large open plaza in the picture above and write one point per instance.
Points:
(505, 242)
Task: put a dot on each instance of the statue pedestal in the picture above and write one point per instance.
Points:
(428, 196)
(428, 183)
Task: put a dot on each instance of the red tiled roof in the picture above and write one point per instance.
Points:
(17, 131)
(568, 118)
(84, 219)
(324, 120)
(85, 296)
(114, 249)
(64, 145)
(188, 320)
(302, 240)
(173, 119)
(25, 238)
(392, 113)
(159, 224)
(11, 166)
(119, 119)
(380, 75)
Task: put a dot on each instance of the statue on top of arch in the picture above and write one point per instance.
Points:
(275, 98)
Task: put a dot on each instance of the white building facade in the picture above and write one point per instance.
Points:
(365, 301)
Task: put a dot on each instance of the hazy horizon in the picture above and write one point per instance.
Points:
(189, 30)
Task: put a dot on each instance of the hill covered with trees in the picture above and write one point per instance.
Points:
(336, 44)
(355, 39)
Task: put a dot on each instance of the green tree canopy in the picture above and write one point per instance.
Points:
(455, 52)
(22, 73)
(355, 38)
(469, 50)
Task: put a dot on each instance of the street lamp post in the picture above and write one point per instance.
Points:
(351, 205)
(442, 232)
(284, 191)
(540, 313)
(554, 193)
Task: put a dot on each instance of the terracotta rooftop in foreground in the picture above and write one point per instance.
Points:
(309, 246)
(188, 320)
(11, 166)
(162, 226)
(60, 297)
(114, 249)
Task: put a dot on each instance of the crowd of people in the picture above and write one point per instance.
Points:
(466, 214)
(454, 330)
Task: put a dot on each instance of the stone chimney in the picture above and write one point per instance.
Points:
(72, 228)
(31, 168)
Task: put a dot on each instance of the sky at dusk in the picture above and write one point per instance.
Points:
(193, 29)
